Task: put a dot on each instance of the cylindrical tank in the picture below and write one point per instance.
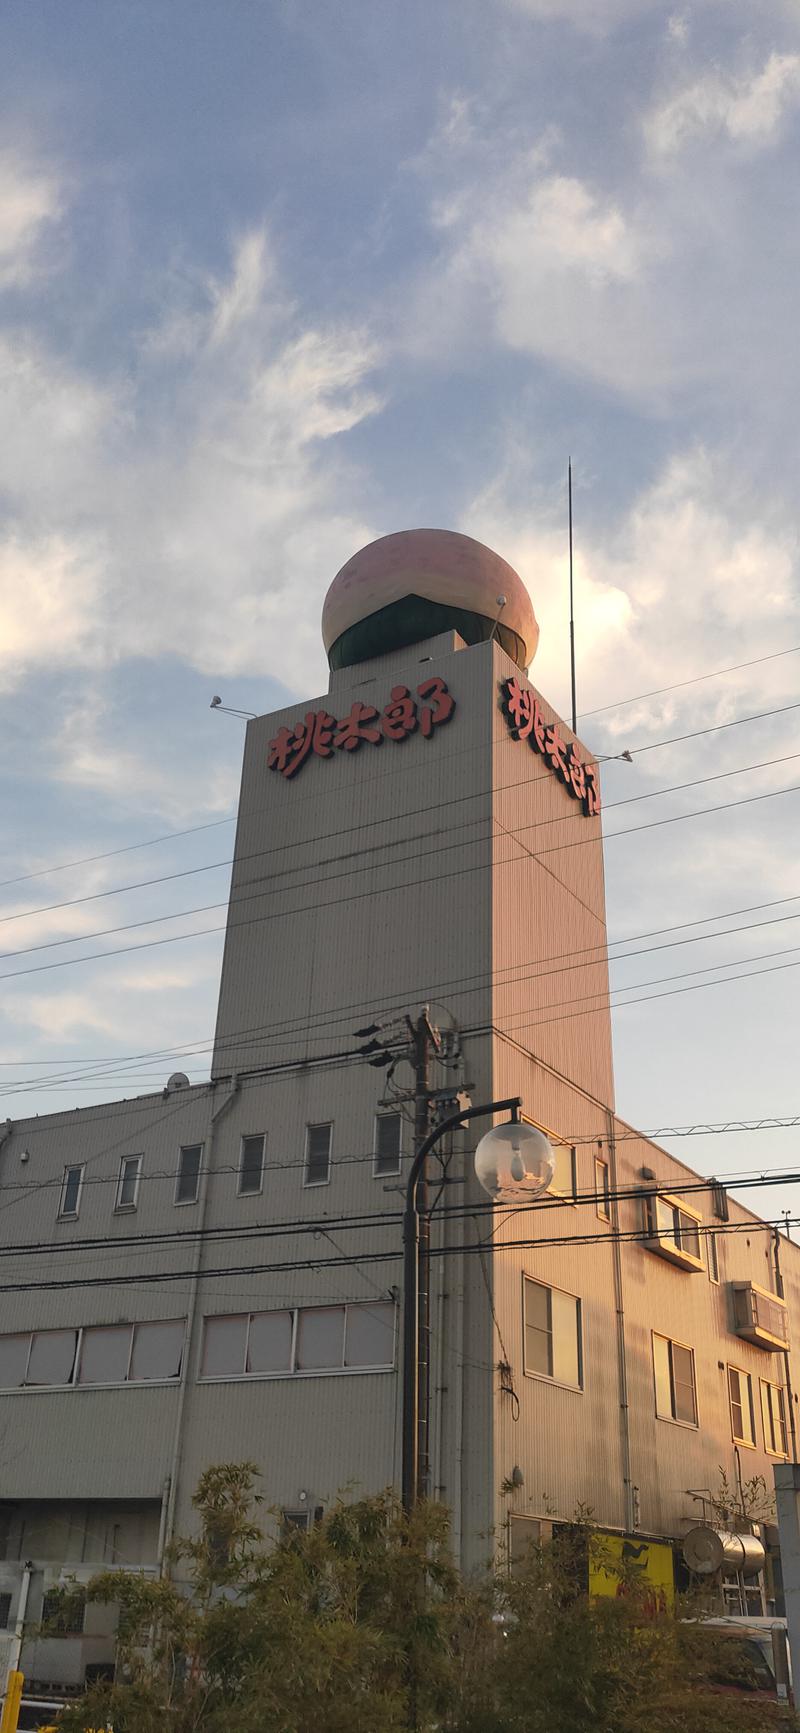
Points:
(707, 1550)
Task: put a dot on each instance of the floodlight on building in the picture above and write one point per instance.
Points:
(514, 1160)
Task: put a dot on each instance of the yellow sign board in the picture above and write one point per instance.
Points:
(615, 1559)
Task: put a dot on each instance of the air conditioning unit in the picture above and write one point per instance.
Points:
(760, 1317)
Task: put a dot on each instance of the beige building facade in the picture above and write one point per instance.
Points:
(213, 1273)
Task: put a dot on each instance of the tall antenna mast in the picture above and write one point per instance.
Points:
(571, 614)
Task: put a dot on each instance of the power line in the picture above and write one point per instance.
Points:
(206, 908)
(677, 685)
(358, 896)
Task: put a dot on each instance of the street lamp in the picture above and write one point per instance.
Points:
(511, 1160)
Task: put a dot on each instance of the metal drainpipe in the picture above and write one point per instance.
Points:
(168, 1523)
(787, 1368)
(625, 1429)
(458, 1409)
(15, 1646)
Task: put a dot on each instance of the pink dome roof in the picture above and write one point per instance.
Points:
(440, 565)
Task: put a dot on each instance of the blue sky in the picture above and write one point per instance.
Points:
(276, 278)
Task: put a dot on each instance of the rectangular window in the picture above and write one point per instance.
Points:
(251, 1165)
(14, 1351)
(773, 1414)
(672, 1230)
(562, 1183)
(552, 1321)
(673, 1371)
(601, 1186)
(52, 1357)
(63, 1612)
(157, 1350)
(187, 1184)
(71, 1189)
(388, 1144)
(5, 1611)
(318, 1154)
(740, 1391)
(712, 1253)
(343, 1338)
(105, 1354)
(128, 1183)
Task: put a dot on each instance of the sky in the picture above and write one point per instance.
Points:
(278, 277)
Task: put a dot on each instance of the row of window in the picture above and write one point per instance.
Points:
(387, 1158)
(357, 1336)
(553, 1348)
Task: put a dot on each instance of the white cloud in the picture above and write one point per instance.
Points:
(212, 486)
(748, 109)
(698, 572)
(30, 198)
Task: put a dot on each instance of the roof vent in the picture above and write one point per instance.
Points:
(178, 1080)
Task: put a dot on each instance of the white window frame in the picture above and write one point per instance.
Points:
(293, 1371)
(71, 1215)
(182, 1202)
(74, 1382)
(602, 1186)
(387, 1172)
(252, 1190)
(548, 1377)
(558, 1144)
(672, 1342)
(124, 1208)
(666, 1244)
(316, 1125)
(765, 1386)
(742, 1372)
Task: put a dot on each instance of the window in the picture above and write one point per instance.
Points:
(251, 1165)
(105, 1354)
(5, 1611)
(602, 1189)
(712, 1253)
(63, 1611)
(773, 1414)
(71, 1191)
(344, 1338)
(740, 1391)
(672, 1230)
(552, 1322)
(388, 1144)
(318, 1154)
(187, 1185)
(128, 1183)
(673, 1369)
(52, 1357)
(562, 1183)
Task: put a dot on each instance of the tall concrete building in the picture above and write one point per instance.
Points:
(213, 1272)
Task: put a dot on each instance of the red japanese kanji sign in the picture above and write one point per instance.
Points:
(526, 722)
(431, 706)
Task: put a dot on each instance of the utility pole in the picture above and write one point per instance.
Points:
(425, 1041)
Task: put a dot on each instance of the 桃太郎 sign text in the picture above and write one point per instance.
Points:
(525, 721)
(321, 734)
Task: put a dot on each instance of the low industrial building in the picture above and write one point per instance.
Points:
(213, 1272)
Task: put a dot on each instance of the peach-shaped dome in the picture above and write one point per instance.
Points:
(410, 585)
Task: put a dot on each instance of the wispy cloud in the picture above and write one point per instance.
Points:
(30, 200)
(747, 109)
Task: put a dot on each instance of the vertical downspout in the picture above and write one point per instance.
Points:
(177, 1442)
(616, 1252)
(15, 1646)
(787, 1369)
(458, 1411)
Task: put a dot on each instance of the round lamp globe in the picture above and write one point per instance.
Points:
(514, 1161)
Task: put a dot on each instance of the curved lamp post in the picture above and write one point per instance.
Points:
(511, 1161)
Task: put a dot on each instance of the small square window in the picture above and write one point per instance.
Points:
(251, 1165)
(318, 1154)
(388, 1144)
(71, 1189)
(130, 1169)
(187, 1185)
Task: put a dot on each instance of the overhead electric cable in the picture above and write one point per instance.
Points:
(677, 685)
